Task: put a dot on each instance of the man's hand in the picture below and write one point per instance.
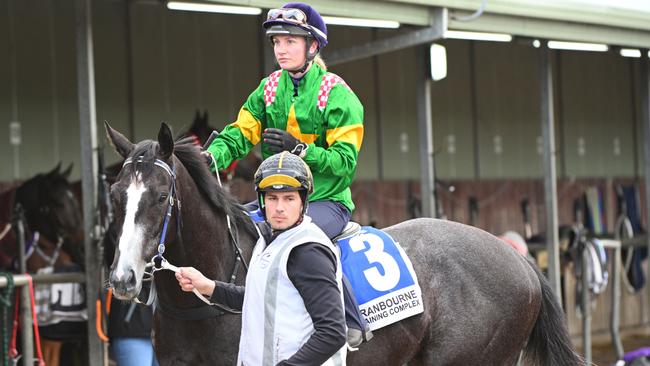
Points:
(190, 278)
(280, 140)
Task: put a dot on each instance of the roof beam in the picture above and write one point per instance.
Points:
(434, 32)
(612, 14)
(550, 29)
(383, 10)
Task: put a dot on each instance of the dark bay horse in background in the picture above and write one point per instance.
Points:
(48, 207)
(483, 302)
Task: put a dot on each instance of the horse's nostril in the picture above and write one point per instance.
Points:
(131, 279)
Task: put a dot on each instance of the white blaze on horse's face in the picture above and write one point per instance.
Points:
(131, 242)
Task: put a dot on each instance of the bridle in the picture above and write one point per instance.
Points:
(158, 262)
(32, 246)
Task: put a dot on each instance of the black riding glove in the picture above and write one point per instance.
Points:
(207, 156)
(280, 140)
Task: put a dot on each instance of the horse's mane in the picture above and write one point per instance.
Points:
(189, 155)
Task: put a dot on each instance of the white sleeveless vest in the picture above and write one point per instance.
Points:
(275, 323)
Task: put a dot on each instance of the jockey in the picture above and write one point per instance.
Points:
(309, 112)
(293, 296)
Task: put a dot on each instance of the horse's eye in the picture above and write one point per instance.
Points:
(162, 198)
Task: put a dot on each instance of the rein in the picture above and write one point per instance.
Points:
(159, 262)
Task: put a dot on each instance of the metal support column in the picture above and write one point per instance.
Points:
(549, 170)
(425, 130)
(585, 302)
(88, 136)
(27, 334)
(615, 311)
(644, 103)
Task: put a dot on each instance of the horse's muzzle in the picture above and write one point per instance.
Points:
(126, 287)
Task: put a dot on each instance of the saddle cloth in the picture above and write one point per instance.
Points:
(382, 277)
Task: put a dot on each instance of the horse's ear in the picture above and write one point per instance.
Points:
(56, 170)
(166, 141)
(67, 171)
(205, 117)
(122, 145)
(197, 117)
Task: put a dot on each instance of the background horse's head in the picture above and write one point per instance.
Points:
(50, 212)
(49, 205)
(200, 129)
(140, 199)
(239, 175)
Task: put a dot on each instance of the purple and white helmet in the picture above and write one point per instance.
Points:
(298, 19)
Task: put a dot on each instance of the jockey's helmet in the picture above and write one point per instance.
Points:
(284, 172)
(297, 19)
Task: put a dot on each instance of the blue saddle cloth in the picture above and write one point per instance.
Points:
(256, 215)
(382, 277)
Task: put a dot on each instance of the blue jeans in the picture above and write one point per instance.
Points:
(133, 352)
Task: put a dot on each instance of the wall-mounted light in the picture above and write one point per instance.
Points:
(213, 8)
(359, 22)
(578, 46)
(438, 61)
(630, 52)
(478, 36)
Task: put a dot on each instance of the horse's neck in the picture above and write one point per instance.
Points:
(206, 242)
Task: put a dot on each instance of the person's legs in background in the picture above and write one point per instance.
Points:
(133, 352)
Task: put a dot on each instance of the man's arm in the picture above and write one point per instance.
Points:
(189, 278)
(312, 270)
(228, 294)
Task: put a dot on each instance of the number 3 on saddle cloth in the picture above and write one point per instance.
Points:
(380, 273)
(382, 277)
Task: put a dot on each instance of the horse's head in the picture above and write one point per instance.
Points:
(49, 204)
(140, 197)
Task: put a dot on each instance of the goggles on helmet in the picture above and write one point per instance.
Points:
(296, 16)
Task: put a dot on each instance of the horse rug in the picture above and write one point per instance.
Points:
(60, 301)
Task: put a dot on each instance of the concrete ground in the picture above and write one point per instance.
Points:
(603, 354)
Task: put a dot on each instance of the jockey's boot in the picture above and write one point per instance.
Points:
(358, 330)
